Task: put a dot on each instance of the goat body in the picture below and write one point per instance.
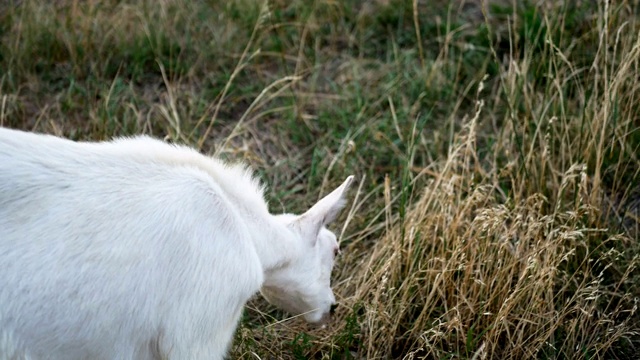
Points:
(138, 249)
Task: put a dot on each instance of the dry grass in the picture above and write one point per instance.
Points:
(497, 147)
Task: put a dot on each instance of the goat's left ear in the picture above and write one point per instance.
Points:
(323, 212)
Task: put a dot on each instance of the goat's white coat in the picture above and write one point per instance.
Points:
(137, 249)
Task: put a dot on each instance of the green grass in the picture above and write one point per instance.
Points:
(497, 214)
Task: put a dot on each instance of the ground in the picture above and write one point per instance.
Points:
(495, 143)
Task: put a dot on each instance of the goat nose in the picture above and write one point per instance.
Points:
(333, 308)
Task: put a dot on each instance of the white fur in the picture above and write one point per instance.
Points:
(137, 249)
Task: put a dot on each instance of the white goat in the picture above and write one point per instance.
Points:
(137, 249)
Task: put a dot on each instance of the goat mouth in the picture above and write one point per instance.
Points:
(322, 322)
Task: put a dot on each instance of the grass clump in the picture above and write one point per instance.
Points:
(496, 146)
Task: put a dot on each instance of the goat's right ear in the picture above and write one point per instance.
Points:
(323, 212)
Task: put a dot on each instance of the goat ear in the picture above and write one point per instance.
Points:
(323, 212)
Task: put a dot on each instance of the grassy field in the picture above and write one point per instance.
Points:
(496, 145)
